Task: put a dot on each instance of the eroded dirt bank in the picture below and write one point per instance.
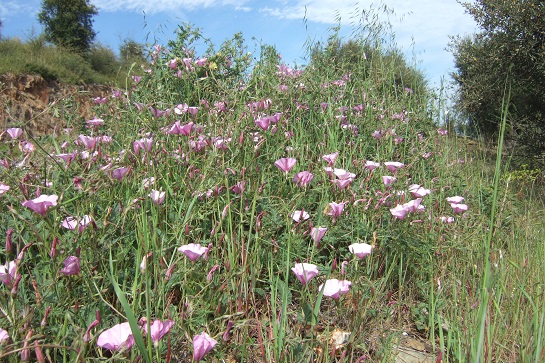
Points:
(38, 106)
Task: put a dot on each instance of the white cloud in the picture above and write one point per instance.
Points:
(10, 8)
(157, 6)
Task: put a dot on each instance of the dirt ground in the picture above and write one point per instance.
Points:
(38, 106)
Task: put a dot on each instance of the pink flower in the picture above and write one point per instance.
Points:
(317, 233)
(3, 188)
(447, 219)
(442, 132)
(342, 183)
(28, 147)
(377, 134)
(42, 203)
(305, 272)
(159, 329)
(334, 210)
(88, 141)
(95, 122)
(388, 180)
(456, 199)
(68, 158)
(71, 266)
(299, 216)
(202, 345)
(335, 288)
(8, 273)
(343, 174)
(400, 211)
(74, 222)
(303, 178)
(417, 191)
(119, 173)
(118, 337)
(4, 336)
(360, 249)
(193, 251)
(263, 122)
(393, 165)
(459, 208)
(371, 165)
(144, 144)
(331, 158)
(158, 197)
(14, 132)
(285, 164)
(178, 129)
(414, 205)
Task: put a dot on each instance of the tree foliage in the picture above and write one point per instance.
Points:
(69, 23)
(508, 54)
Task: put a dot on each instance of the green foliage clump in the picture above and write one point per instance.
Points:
(509, 53)
(56, 63)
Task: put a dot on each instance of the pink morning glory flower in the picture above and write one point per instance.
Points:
(193, 251)
(118, 337)
(202, 345)
(388, 180)
(158, 197)
(3, 188)
(414, 205)
(177, 129)
(331, 158)
(14, 132)
(8, 273)
(263, 122)
(447, 219)
(4, 336)
(71, 266)
(334, 210)
(459, 208)
(303, 178)
(285, 164)
(342, 183)
(393, 165)
(159, 329)
(371, 165)
(68, 158)
(317, 233)
(400, 211)
(343, 174)
(89, 142)
(299, 216)
(95, 122)
(456, 199)
(417, 191)
(360, 249)
(119, 173)
(42, 203)
(144, 144)
(305, 272)
(335, 288)
(28, 147)
(74, 222)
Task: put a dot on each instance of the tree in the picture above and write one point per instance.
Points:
(131, 51)
(69, 23)
(508, 54)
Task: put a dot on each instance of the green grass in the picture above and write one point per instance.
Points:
(34, 56)
(424, 277)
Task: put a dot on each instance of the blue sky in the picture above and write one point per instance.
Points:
(421, 27)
